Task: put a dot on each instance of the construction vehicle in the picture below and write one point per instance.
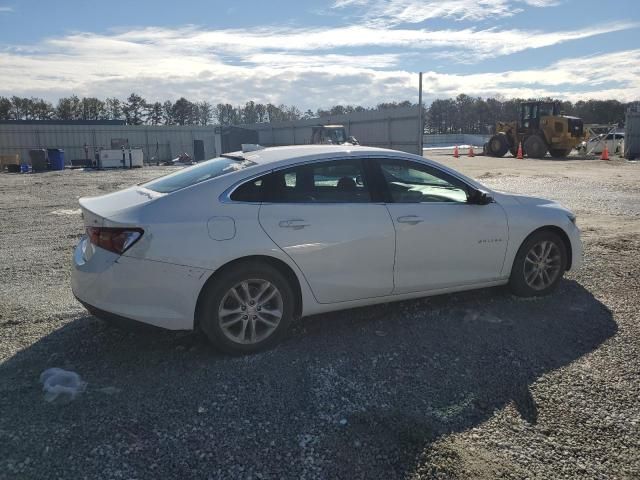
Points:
(541, 128)
(331, 135)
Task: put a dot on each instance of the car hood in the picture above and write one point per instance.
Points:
(531, 201)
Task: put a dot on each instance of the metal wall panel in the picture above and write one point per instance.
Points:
(632, 135)
(159, 143)
(395, 128)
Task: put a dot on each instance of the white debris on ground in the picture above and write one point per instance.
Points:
(64, 211)
(61, 385)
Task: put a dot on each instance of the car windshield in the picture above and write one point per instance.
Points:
(197, 174)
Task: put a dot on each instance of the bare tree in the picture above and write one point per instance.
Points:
(113, 108)
(155, 114)
(134, 109)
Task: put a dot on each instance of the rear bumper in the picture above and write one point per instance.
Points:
(113, 318)
(146, 291)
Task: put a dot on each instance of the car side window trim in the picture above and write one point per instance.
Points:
(373, 174)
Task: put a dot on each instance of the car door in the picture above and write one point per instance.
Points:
(322, 216)
(442, 240)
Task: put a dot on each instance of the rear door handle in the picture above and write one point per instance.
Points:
(295, 223)
(410, 219)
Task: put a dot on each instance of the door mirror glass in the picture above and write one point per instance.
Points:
(478, 197)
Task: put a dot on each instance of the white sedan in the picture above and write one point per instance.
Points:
(240, 245)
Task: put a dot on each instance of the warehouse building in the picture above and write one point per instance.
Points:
(83, 140)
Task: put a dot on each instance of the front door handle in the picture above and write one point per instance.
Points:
(295, 223)
(410, 219)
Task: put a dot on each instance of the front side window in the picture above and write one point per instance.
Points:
(336, 181)
(196, 174)
(411, 182)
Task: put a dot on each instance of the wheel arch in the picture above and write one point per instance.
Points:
(558, 231)
(274, 262)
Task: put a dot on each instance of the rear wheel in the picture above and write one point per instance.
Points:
(560, 152)
(539, 265)
(246, 309)
(535, 147)
(498, 145)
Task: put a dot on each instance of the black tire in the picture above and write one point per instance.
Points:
(535, 147)
(498, 145)
(522, 266)
(560, 152)
(216, 292)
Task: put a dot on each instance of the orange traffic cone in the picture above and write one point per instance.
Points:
(519, 156)
(456, 153)
(471, 151)
(605, 153)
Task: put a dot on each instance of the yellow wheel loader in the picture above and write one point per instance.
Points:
(541, 128)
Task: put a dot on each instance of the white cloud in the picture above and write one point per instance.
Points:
(395, 12)
(193, 41)
(612, 75)
(307, 67)
(4, 9)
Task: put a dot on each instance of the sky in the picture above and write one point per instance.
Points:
(319, 53)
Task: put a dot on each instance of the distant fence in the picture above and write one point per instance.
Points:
(394, 128)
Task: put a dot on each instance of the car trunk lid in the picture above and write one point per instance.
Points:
(110, 209)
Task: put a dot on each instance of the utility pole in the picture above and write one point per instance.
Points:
(420, 119)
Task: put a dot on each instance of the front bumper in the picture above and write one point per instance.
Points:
(573, 233)
(147, 291)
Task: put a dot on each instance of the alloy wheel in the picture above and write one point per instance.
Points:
(250, 311)
(542, 265)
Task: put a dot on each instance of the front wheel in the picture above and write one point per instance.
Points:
(539, 265)
(246, 309)
(535, 147)
(498, 145)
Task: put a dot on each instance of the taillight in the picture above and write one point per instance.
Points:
(116, 240)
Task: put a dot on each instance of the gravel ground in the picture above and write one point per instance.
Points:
(478, 385)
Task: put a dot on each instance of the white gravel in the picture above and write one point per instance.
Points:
(479, 385)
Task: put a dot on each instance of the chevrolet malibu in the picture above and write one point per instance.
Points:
(241, 245)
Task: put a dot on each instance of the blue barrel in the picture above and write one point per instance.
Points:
(56, 158)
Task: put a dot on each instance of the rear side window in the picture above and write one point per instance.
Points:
(196, 174)
(338, 181)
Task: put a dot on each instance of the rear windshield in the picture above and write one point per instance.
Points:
(196, 174)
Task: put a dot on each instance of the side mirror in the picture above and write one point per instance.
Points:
(479, 197)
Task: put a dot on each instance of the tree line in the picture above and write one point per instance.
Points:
(135, 110)
(466, 114)
(463, 114)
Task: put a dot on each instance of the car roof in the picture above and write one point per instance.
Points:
(282, 154)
